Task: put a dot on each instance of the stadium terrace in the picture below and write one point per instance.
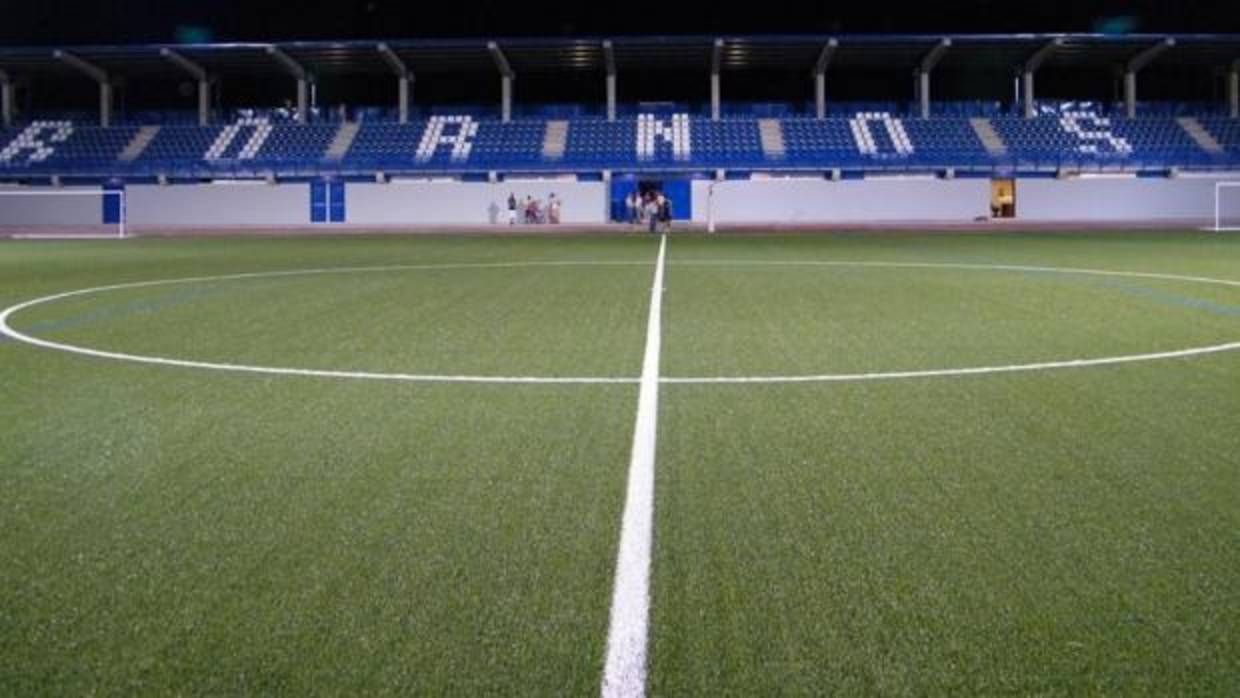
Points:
(990, 158)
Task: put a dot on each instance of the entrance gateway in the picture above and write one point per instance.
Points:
(1003, 198)
(678, 189)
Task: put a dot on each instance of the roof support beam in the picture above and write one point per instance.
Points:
(299, 74)
(404, 80)
(1233, 89)
(1031, 66)
(404, 95)
(716, 60)
(1134, 66)
(6, 99)
(931, 59)
(95, 73)
(506, 77)
(1142, 59)
(820, 76)
(609, 63)
(935, 55)
(394, 61)
(91, 70)
(199, 74)
(184, 63)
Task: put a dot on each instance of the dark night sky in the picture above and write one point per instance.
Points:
(122, 21)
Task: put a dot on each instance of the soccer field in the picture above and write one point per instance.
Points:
(886, 464)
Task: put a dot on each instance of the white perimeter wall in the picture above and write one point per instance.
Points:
(736, 202)
(822, 201)
(40, 208)
(231, 204)
(467, 203)
(261, 204)
(1184, 198)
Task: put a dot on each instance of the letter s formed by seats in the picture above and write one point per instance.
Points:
(1093, 133)
(33, 141)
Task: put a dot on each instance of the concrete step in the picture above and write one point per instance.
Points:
(343, 140)
(138, 143)
(1199, 134)
(555, 140)
(990, 138)
(771, 132)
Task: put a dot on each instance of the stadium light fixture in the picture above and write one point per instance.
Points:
(199, 74)
(95, 73)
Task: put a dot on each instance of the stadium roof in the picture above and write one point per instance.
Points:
(588, 55)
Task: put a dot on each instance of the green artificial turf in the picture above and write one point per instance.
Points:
(171, 530)
(1061, 533)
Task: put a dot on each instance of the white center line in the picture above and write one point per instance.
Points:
(624, 674)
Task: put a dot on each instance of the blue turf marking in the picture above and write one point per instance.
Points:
(1168, 299)
(1171, 299)
(145, 306)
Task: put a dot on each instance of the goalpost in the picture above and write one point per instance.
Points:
(47, 213)
(1226, 206)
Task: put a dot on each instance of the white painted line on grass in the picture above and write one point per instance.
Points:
(624, 673)
(64, 236)
(7, 330)
(950, 265)
(967, 371)
(956, 372)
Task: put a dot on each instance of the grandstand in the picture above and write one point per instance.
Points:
(611, 144)
(948, 408)
(1074, 136)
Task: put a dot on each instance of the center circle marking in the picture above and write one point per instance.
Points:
(7, 330)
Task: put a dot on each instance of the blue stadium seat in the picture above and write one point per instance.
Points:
(45, 145)
(878, 140)
(1083, 139)
(1225, 130)
(1069, 135)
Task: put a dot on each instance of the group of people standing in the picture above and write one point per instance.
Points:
(532, 209)
(651, 208)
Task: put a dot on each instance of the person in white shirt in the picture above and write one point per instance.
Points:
(553, 209)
